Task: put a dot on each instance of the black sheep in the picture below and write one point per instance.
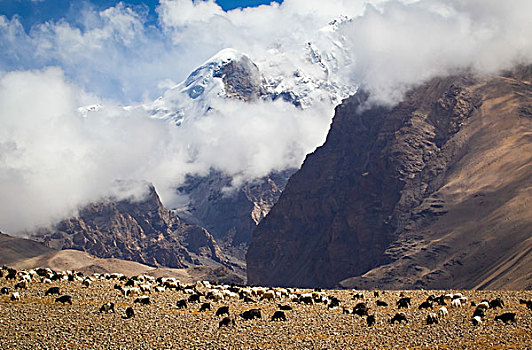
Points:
(251, 314)
(52, 290)
(370, 320)
(4, 291)
(285, 307)
(205, 307)
(222, 310)
(496, 303)
(382, 303)
(361, 309)
(403, 303)
(335, 302)
(425, 305)
(129, 312)
(194, 298)
(143, 301)
(399, 317)
(64, 299)
(506, 317)
(226, 322)
(432, 318)
(108, 307)
(279, 316)
(182, 304)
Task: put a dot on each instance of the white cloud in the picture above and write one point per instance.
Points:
(54, 159)
(400, 45)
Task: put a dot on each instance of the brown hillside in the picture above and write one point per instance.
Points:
(432, 193)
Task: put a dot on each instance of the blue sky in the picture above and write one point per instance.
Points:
(37, 11)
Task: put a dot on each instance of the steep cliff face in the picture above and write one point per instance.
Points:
(430, 193)
(142, 231)
(231, 216)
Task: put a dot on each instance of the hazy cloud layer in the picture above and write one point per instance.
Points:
(54, 159)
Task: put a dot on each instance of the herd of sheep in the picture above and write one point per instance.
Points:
(205, 295)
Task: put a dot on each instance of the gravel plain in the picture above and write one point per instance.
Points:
(38, 322)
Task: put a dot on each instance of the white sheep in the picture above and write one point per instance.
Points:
(145, 288)
(483, 305)
(456, 303)
(15, 296)
(86, 282)
(269, 295)
(443, 312)
(476, 320)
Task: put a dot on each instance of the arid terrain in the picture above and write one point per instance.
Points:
(37, 321)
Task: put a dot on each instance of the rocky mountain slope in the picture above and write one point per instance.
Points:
(231, 216)
(137, 230)
(432, 193)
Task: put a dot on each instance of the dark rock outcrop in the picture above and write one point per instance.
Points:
(242, 79)
(142, 231)
(431, 193)
(231, 216)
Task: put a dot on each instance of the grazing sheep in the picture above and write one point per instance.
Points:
(4, 291)
(194, 298)
(251, 314)
(129, 312)
(222, 310)
(483, 305)
(226, 322)
(52, 290)
(335, 302)
(361, 309)
(382, 303)
(432, 318)
(476, 320)
(496, 303)
(11, 274)
(145, 288)
(64, 299)
(182, 304)
(455, 303)
(306, 300)
(399, 317)
(86, 283)
(403, 303)
(268, 295)
(285, 307)
(370, 320)
(22, 285)
(357, 296)
(205, 307)
(279, 316)
(506, 317)
(15, 296)
(480, 312)
(425, 305)
(443, 312)
(108, 307)
(143, 300)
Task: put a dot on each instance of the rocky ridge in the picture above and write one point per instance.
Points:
(137, 230)
(430, 193)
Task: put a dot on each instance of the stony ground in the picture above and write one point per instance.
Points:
(37, 321)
